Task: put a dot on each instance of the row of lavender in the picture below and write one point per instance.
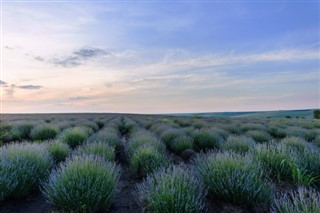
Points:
(263, 164)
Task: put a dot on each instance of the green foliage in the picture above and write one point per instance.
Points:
(276, 132)
(259, 136)
(97, 148)
(295, 143)
(239, 144)
(169, 135)
(234, 178)
(299, 176)
(22, 167)
(316, 114)
(143, 137)
(58, 150)
(146, 160)
(276, 159)
(181, 143)
(22, 130)
(108, 135)
(296, 131)
(206, 139)
(304, 200)
(252, 126)
(43, 132)
(74, 136)
(172, 190)
(82, 184)
(309, 160)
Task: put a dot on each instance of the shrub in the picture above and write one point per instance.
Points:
(141, 138)
(82, 184)
(259, 136)
(22, 167)
(295, 143)
(43, 132)
(234, 178)
(301, 201)
(296, 131)
(309, 160)
(181, 143)
(74, 136)
(169, 135)
(146, 160)
(158, 128)
(311, 135)
(97, 148)
(189, 131)
(58, 150)
(172, 190)
(108, 135)
(276, 159)
(276, 132)
(252, 126)
(239, 144)
(205, 139)
(23, 130)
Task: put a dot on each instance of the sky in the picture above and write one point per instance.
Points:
(159, 56)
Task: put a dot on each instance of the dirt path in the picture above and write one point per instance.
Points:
(127, 197)
(34, 203)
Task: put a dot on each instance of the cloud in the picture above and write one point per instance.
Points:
(2, 83)
(10, 90)
(70, 61)
(38, 58)
(30, 87)
(79, 56)
(78, 98)
(8, 47)
(89, 52)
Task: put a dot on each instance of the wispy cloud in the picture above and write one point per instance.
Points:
(79, 98)
(31, 87)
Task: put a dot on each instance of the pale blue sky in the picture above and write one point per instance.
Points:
(159, 56)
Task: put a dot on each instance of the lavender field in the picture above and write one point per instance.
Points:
(154, 163)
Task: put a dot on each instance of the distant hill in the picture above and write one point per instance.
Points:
(305, 113)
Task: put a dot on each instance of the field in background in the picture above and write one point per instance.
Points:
(308, 114)
(159, 163)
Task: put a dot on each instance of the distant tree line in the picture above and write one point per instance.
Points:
(316, 114)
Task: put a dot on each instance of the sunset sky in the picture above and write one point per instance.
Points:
(159, 57)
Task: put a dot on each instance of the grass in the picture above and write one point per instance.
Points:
(303, 200)
(276, 158)
(172, 190)
(234, 178)
(309, 160)
(43, 132)
(82, 184)
(22, 167)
